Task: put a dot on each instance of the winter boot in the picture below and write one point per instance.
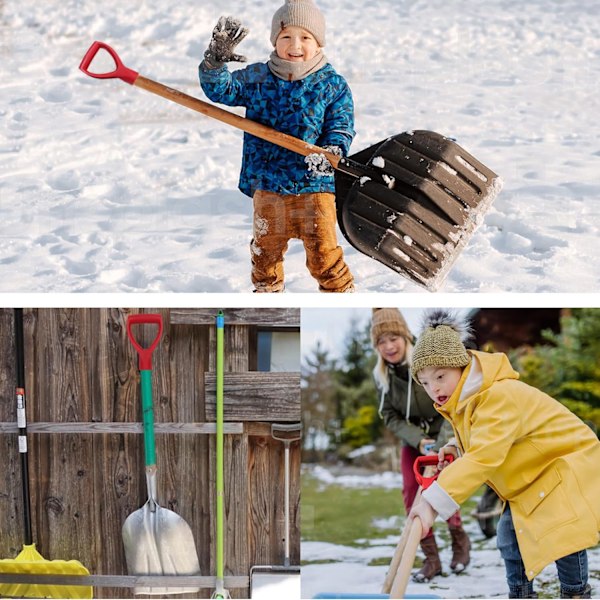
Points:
(587, 593)
(432, 565)
(460, 549)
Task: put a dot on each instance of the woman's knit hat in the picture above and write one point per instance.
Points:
(440, 343)
(388, 320)
(300, 13)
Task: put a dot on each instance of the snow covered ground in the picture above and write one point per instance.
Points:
(107, 188)
(344, 569)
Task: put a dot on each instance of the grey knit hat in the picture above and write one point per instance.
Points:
(440, 343)
(301, 13)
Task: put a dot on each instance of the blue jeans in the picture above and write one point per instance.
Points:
(572, 569)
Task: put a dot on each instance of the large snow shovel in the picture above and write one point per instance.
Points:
(29, 560)
(411, 202)
(157, 540)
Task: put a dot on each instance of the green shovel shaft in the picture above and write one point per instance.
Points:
(219, 444)
(148, 417)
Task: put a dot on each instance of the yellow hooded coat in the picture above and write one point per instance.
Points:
(533, 452)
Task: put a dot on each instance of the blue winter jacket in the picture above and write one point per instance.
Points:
(317, 109)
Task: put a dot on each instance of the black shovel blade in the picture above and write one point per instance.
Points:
(417, 218)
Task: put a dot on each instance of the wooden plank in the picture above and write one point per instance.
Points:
(125, 581)
(62, 482)
(256, 396)
(118, 485)
(188, 362)
(114, 428)
(268, 317)
(11, 497)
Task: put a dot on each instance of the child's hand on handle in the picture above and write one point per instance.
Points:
(447, 449)
(226, 35)
(424, 511)
(318, 164)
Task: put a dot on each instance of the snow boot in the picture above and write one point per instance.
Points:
(432, 565)
(587, 593)
(460, 549)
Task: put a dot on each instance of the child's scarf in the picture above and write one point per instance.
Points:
(294, 71)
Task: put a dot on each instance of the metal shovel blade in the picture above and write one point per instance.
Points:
(158, 541)
(417, 220)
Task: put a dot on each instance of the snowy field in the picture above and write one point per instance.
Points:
(344, 569)
(107, 188)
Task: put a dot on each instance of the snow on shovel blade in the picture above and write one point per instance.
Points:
(430, 200)
(158, 541)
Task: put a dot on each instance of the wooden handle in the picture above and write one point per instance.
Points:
(257, 129)
(408, 559)
(395, 562)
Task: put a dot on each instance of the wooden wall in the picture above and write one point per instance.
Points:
(86, 451)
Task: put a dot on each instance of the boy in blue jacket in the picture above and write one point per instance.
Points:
(299, 93)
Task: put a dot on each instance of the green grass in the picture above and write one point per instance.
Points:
(344, 516)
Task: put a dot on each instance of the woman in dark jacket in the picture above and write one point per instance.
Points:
(408, 412)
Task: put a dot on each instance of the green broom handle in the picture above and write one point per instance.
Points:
(220, 487)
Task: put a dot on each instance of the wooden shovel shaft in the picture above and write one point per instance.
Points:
(395, 562)
(257, 129)
(408, 559)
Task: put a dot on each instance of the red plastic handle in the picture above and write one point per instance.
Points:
(144, 354)
(429, 460)
(121, 71)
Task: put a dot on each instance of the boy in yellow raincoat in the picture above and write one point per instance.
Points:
(540, 458)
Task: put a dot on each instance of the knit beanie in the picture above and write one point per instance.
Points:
(301, 13)
(440, 343)
(388, 320)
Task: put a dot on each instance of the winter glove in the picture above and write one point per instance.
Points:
(226, 35)
(318, 165)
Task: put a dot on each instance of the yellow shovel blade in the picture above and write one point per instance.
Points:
(31, 561)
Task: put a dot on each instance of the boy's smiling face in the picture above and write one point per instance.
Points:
(439, 382)
(296, 44)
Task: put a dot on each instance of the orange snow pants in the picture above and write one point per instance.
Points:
(307, 217)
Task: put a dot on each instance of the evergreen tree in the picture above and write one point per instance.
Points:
(568, 368)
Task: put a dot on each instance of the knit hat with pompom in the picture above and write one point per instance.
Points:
(300, 13)
(441, 342)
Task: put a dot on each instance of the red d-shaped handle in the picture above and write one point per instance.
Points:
(144, 354)
(120, 71)
(428, 461)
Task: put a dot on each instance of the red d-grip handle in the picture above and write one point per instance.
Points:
(121, 71)
(144, 354)
(429, 460)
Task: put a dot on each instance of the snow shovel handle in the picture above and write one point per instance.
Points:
(429, 460)
(121, 71)
(144, 354)
(257, 129)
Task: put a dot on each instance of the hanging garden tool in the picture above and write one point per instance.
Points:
(29, 560)
(411, 202)
(220, 591)
(157, 540)
(280, 581)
